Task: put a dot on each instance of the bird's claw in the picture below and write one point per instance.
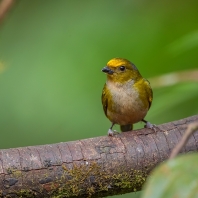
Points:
(148, 125)
(112, 132)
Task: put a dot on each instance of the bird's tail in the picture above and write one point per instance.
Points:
(127, 127)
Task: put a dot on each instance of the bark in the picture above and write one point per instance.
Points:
(94, 167)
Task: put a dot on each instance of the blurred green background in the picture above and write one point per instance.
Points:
(52, 53)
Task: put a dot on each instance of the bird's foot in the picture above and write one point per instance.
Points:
(148, 125)
(112, 132)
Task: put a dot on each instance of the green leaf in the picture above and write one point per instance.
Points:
(177, 178)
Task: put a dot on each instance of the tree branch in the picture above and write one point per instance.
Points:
(94, 167)
(192, 127)
(174, 78)
(5, 6)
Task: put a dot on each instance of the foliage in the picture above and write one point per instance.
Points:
(174, 178)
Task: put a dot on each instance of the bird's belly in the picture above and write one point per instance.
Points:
(127, 108)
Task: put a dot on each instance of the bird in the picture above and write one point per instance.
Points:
(126, 96)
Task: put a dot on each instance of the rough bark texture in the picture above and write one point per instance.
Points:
(94, 167)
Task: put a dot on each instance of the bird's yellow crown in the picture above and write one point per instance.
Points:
(120, 70)
(116, 62)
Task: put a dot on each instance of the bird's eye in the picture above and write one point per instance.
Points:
(122, 68)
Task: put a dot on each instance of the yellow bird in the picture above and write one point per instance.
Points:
(126, 96)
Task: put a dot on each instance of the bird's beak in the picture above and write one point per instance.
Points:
(107, 70)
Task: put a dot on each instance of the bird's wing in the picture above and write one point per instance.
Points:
(149, 92)
(105, 99)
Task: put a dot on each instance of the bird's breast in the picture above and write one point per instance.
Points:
(126, 106)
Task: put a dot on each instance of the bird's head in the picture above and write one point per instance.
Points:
(121, 70)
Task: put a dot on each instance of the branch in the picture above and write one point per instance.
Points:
(192, 127)
(174, 78)
(94, 167)
(5, 6)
